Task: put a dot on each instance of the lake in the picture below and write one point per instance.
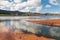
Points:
(47, 31)
(26, 17)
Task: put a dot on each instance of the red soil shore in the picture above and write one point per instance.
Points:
(55, 22)
(8, 34)
(20, 36)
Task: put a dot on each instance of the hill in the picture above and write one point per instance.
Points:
(17, 13)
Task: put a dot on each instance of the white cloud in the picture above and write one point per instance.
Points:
(27, 9)
(17, 1)
(33, 2)
(54, 2)
(48, 6)
(18, 4)
(38, 8)
(24, 6)
(4, 3)
(55, 12)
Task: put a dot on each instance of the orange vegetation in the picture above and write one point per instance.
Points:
(55, 22)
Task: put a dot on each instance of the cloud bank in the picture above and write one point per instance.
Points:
(25, 5)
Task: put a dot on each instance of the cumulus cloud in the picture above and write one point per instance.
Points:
(33, 2)
(4, 4)
(54, 2)
(38, 8)
(19, 5)
(26, 9)
(29, 5)
(17, 1)
(48, 6)
(54, 12)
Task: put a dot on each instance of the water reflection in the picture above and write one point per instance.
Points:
(7, 23)
(47, 31)
(30, 17)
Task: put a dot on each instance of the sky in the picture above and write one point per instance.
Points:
(39, 6)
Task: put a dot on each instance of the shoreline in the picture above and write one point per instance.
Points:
(54, 22)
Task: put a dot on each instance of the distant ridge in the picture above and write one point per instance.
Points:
(10, 12)
(17, 13)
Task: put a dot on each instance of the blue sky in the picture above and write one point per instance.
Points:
(39, 6)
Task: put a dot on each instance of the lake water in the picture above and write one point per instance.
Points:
(45, 30)
(28, 17)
